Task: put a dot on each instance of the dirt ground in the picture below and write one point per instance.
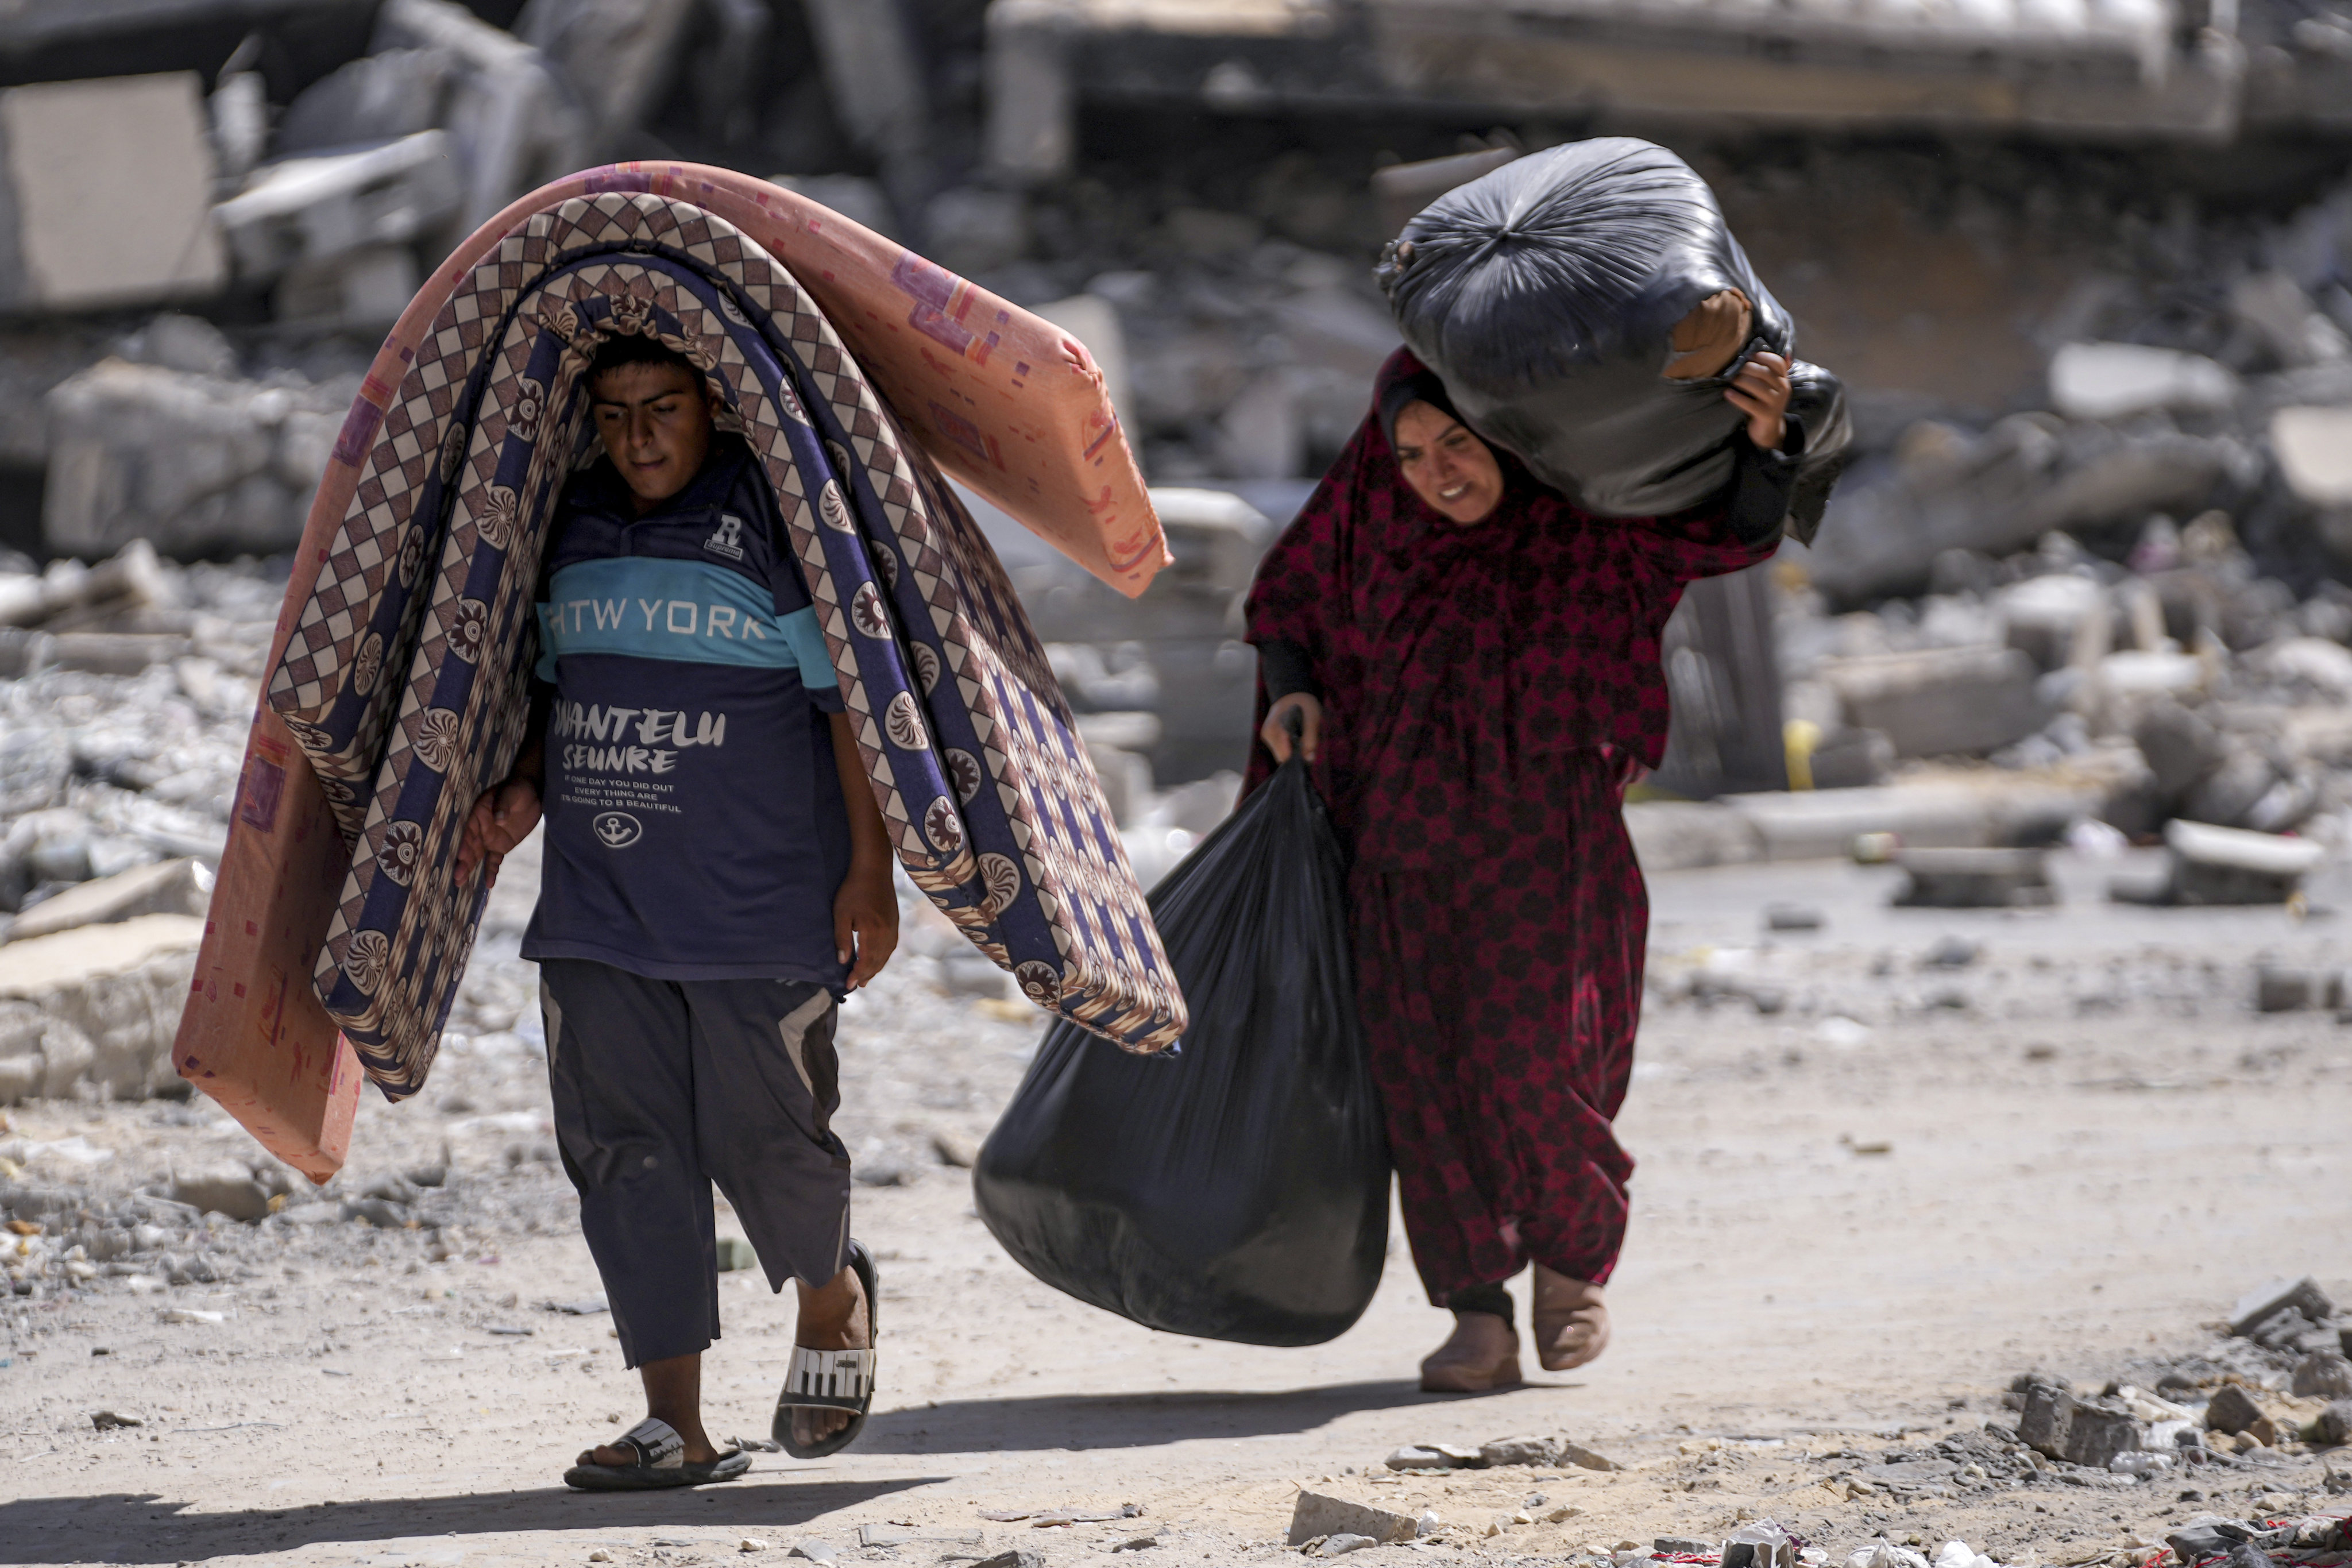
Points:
(2091, 1145)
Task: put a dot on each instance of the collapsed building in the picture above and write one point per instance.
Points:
(2085, 269)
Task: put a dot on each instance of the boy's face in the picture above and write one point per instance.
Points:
(654, 422)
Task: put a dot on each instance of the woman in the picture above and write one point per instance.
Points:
(1473, 663)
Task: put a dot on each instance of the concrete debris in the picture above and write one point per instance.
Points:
(110, 186)
(2212, 865)
(1940, 701)
(167, 887)
(1975, 879)
(2110, 381)
(191, 463)
(1316, 1515)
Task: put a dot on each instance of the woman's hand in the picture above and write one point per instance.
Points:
(1275, 731)
(502, 818)
(1760, 390)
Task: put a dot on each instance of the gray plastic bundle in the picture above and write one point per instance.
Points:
(1544, 295)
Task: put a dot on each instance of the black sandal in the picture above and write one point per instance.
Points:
(832, 1380)
(661, 1463)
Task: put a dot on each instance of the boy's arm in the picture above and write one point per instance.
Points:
(865, 911)
(505, 813)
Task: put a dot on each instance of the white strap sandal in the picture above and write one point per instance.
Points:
(832, 1380)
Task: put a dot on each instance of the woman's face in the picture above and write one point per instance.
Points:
(1445, 465)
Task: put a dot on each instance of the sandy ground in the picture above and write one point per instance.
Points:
(2095, 1146)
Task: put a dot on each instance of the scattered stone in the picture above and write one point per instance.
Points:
(1683, 1546)
(820, 1552)
(2335, 1425)
(1340, 1544)
(586, 1308)
(735, 1254)
(1527, 1451)
(2323, 1374)
(1316, 1515)
(883, 1535)
(1940, 701)
(228, 1190)
(2228, 865)
(1013, 1559)
(2111, 380)
(106, 1420)
(1793, 917)
(954, 1149)
(1975, 879)
(750, 1543)
(1577, 1454)
(190, 1315)
(2231, 1409)
(2305, 1296)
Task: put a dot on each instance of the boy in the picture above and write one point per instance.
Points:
(718, 878)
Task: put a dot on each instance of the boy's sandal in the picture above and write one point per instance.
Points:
(661, 1463)
(832, 1380)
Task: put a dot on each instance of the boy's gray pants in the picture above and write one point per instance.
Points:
(663, 1087)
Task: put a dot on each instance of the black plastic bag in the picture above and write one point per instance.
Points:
(1236, 1187)
(1544, 295)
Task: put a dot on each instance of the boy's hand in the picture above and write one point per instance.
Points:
(502, 818)
(865, 922)
(1760, 390)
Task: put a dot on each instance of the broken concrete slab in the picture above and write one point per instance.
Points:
(2079, 1432)
(190, 463)
(1977, 813)
(1684, 834)
(228, 1190)
(121, 986)
(2231, 1409)
(1316, 1514)
(1940, 701)
(2223, 866)
(2113, 381)
(514, 125)
(316, 207)
(2313, 447)
(1975, 879)
(167, 887)
(2305, 1295)
(619, 56)
(110, 184)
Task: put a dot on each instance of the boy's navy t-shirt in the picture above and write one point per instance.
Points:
(695, 822)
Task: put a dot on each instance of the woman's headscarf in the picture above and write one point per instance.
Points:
(1403, 382)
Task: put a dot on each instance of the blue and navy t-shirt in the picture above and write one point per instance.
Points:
(695, 822)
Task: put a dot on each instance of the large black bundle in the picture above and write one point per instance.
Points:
(1234, 1188)
(1547, 296)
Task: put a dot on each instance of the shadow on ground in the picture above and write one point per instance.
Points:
(1124, 1420)
(120, 1526)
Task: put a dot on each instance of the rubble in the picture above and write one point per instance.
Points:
(1316, 1515)
(110, 186)
(1975, 879)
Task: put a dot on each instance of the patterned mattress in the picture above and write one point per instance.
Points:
(405, 679)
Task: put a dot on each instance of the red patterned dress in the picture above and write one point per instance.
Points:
(1488, 692)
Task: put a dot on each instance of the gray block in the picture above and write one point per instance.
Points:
(1318, 1515)
(2305, 1295)
(168, 887)
(1976, 878)
(108, 191)
(2231, 1409)
(1940, 701)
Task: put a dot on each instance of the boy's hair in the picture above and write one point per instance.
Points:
(627, 349)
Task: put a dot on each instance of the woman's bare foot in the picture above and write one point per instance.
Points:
(1570, 1321)
(1481, 1354)
(832, 1319)
(673, 1393)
